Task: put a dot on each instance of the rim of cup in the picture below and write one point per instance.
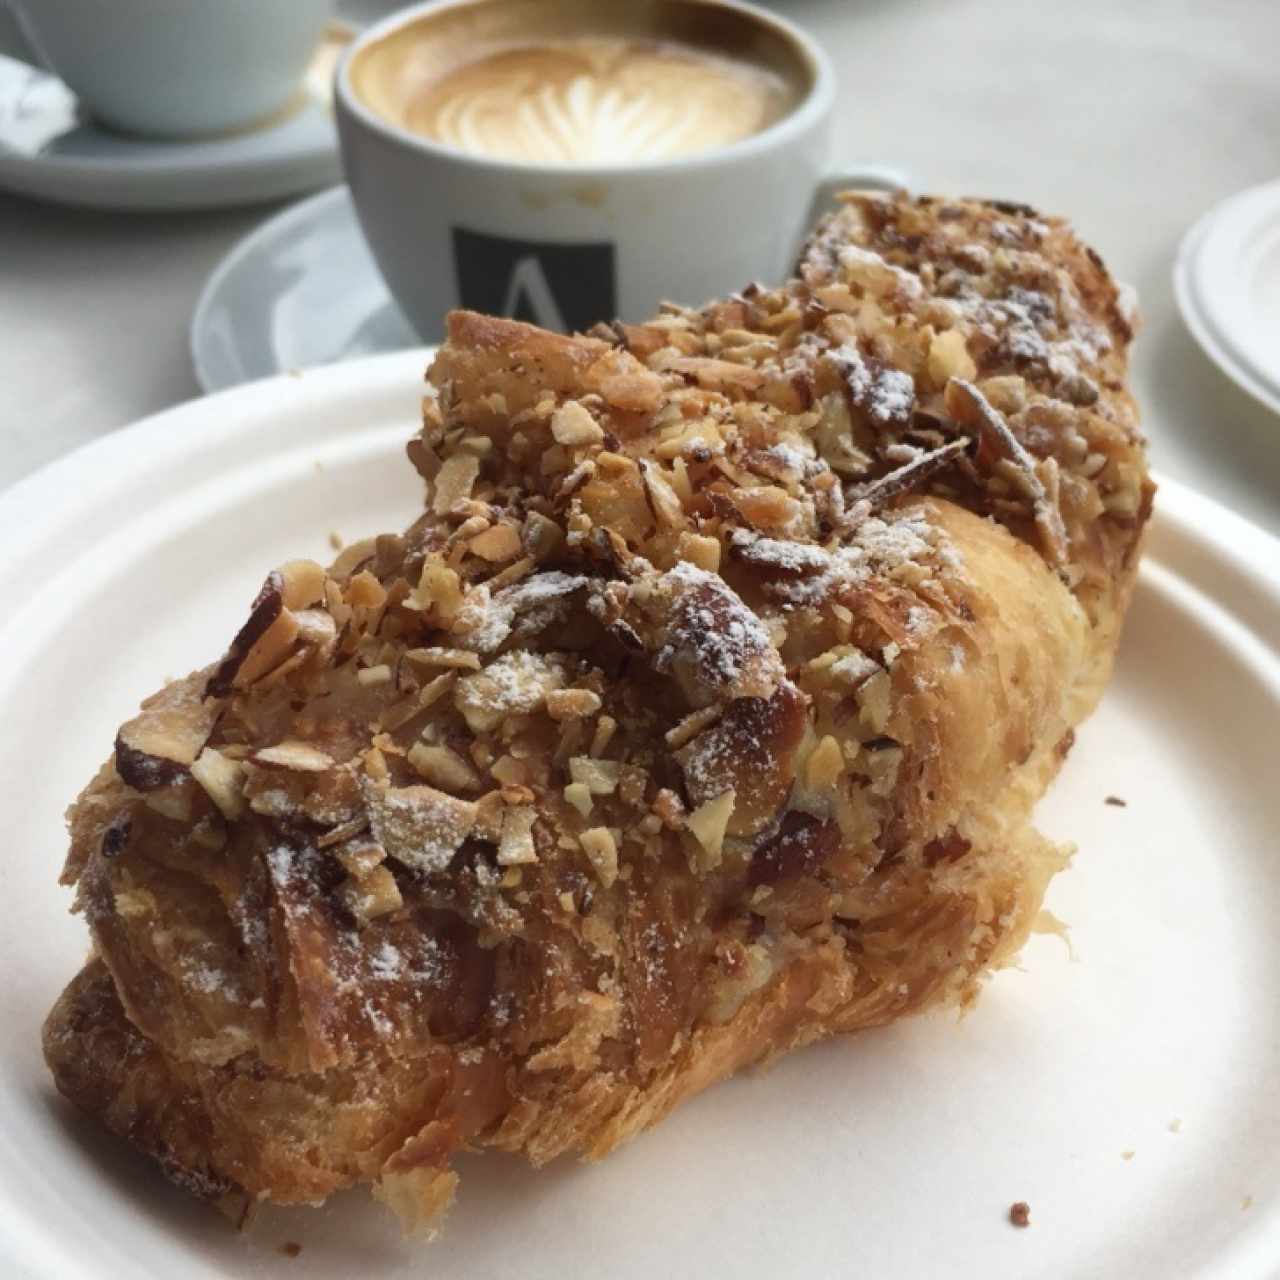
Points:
(815, 103)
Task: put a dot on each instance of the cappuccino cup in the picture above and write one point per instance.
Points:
(170, 68)
(575, 162)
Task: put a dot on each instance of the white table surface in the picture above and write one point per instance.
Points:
(1131, 118)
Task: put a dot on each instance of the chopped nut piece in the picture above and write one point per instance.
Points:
(222, 780)
(509, 771)
(600, 777)
(443, 768)
(1020, 1213)
(949, 358)
(359, 856)
(516, 845)
(826, 764)
(454, 480)
(578, 794)
(602, 850)
(303, 584)
(374, 894)
(572, 425)
(605, 727)
(692, 725)
(381, 674)
(700, 550)
(365, 591)
(708, 822)
(300, 756)
(568, 704)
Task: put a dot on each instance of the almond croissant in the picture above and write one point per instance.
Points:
(699, 716)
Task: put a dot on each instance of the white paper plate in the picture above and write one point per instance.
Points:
(48, 149)
(895, 1153)
(1227, 282)
(300, 290)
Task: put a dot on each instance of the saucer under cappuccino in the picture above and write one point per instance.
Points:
(603, 88)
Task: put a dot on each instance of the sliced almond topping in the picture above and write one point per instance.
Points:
(541, 536)
(299, 756)
(454, 481)
(708, 822)
(497, 544)
(665, 501)
(157, 746)
(600, 777)
(516, 683)
(222, 780)
(578, 794)
(602, 850)
(572, 425)
(437, 656)
(443, 768)
(568, 704)
(516, 845)
(418, 825)
(400, 713)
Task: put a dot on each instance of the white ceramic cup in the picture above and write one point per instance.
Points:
(172, 68)
(568, 246)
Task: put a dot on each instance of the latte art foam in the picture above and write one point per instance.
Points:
(593, 100)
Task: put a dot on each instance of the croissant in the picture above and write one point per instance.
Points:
(699, 716)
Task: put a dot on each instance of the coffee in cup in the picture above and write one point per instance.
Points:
(585, 99)
(573, 162)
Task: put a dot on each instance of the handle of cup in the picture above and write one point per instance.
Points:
(874, 177)
(14, 42)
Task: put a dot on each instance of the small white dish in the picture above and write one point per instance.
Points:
(300, 290)
(49, 149)
(1227, 282)
(1127, 1091)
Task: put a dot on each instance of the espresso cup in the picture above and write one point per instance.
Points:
(595, 195)
(171, 68)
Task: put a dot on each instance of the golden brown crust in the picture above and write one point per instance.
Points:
(699, 716)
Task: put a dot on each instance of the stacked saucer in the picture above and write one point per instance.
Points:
(1227, 281)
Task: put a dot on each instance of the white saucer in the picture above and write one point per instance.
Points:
(1126, 1089)
(1227, 282)
(299, 291)
(48, 149)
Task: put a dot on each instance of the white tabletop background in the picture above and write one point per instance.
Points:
(1131, 118)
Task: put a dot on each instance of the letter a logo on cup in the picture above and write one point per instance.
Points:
(556, 286)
